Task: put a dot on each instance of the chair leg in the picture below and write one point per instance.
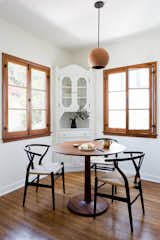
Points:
(63, 179)
(53, 196)
(141, 196)
(25, 189)
(37, 183)
(129, 208)
(95, 170)
(113, 188)
(95, 197)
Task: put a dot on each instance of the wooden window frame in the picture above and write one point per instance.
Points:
(152, 132)
(29, 133)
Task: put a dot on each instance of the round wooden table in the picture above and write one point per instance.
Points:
(83, 204)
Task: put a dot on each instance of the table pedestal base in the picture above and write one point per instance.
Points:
(80, 207)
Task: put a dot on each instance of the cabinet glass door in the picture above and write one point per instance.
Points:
(82, 92)
(66, 92)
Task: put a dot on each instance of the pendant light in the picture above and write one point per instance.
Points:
(98, 57)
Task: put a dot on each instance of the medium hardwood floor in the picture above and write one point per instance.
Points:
(37, 221)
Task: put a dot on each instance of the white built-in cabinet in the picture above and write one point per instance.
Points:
(73, 88)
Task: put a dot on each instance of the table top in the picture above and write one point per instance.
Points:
(67, 148)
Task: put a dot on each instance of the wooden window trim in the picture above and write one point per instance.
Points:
(20, 135)
(152, 132)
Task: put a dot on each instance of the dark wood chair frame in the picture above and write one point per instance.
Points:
(136, 158)
(99, 166)
(102, 167)
(35, 182)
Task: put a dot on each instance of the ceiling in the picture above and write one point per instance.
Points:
(72, 24)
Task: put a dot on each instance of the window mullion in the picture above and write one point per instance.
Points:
(29, 100)
(127, 103)
(154, 97)
(106, 108)
(150, 99)
(152, 77)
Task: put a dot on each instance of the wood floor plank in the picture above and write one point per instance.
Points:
(37, 221)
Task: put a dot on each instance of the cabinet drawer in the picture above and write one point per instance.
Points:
(73, 134)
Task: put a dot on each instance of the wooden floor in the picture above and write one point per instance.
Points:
(39, 222)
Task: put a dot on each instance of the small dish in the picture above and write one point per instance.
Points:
(86, 150)
(87, 147)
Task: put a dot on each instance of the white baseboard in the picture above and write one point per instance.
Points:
(151, 178)
(14, 186)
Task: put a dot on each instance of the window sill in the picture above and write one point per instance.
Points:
(132, 135)
(13, 139)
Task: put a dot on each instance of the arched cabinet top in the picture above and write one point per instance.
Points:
(73, 69)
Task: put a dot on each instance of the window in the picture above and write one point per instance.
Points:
(130, 100)
(26, 99)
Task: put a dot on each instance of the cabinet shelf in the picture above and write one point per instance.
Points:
(74, 93)
(65, 121)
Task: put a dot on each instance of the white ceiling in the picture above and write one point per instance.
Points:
(73, 23)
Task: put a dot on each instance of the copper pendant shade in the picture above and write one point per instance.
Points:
(98, 57)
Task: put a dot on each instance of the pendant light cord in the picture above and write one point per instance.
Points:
(98, 25)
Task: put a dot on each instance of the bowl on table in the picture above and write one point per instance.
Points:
(87, 147)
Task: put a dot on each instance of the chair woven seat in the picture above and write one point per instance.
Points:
(46, 169)
(114, 178)
(100, 160)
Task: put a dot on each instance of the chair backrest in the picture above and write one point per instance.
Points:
(109, 139)
(136, 158)
(36, 150)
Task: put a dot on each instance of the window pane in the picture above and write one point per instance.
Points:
(17, 120)
(38, 79)
(82, 92)
(17, 74)
(117, 81)
(16, 97)
(38, 119)
(117, 119)
(66, 92)
(138, 119)
(66, 82)
(139, 78)
(139, 99)
(117, 100)
(38, 99)
(82, 82)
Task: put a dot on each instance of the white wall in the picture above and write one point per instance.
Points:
(16, 42)
(135, 49)
(139, 49)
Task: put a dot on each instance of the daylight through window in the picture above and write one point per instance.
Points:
(130, 100)
(26, 111)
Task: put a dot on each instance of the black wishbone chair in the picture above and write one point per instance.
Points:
(99, 163)
(121, 178)
(37, 166)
